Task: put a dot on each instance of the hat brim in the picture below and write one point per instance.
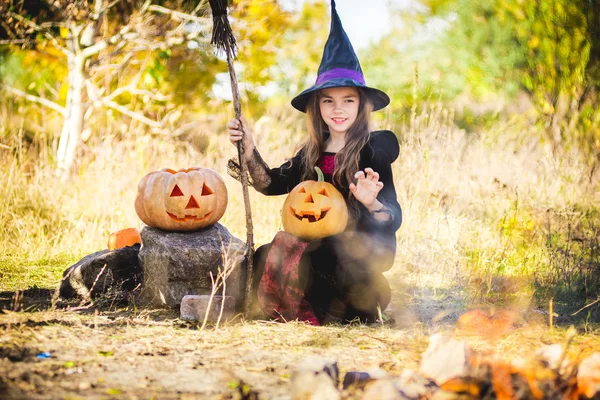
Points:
(377, 97)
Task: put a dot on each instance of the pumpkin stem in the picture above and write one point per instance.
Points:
(321, 177)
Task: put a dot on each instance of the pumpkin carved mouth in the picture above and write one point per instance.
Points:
(308, 216)
(189, 217)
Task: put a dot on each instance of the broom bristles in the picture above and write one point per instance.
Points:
(222, 35)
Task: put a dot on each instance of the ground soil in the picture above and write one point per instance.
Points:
(130, 353)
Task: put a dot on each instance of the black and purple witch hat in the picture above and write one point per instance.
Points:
(340, 68)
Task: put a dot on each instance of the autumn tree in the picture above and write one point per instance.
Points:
(94, 36)
(549, 47)
(119, 53)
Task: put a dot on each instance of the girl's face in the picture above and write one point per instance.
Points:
(339, 108)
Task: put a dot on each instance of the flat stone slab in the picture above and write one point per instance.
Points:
(195, 307)
(176, 264)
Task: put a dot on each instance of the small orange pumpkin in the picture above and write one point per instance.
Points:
(183, 200)
(124, 238)
(314, 210)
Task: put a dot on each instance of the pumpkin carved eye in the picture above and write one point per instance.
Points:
(176, 192)
(302, 190)
(323, 192)
(206, 190)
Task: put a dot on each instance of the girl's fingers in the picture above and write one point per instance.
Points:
(233, 124)
(235, 130)
(372, 175)
(359, 175)
(352, 188)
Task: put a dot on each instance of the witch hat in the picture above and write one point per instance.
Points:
(340, 68)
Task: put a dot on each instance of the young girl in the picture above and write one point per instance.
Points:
(337, 278)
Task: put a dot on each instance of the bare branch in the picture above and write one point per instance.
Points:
(13, 41)
(35, 99)
(181, 15)
(94, 49)
(201, 3)
(184, 128)
(125, 111)
(94, 94)
(135, 91)
(108, 6)
(584, 307)
(38, 28)
(7, 29)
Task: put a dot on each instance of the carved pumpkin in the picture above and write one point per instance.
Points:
(124, 238)
(314, 210)
(183, 200)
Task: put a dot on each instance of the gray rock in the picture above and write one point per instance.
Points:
(117, 271)
(194, 307)
(176, 264)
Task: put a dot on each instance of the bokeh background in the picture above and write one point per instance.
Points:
(495, 104)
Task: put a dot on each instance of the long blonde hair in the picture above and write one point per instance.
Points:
(357, 136)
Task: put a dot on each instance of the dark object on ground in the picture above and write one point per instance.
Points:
(32, 299)
(176, 264)
(104, 272)
(315, 378)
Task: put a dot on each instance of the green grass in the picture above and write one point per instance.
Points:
(21, 272)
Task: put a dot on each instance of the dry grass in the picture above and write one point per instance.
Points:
(488, 219)
(154, 354)
(476, 207)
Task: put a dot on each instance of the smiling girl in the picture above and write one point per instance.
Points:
(338, 278)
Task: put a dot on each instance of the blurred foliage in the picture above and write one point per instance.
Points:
(299, 59)
(259, 27)
(177, 79)
(547, 48)
(467, 54)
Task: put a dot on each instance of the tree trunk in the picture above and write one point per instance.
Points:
(73, 123)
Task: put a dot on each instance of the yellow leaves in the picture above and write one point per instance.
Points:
(260, 27)
(533, 42)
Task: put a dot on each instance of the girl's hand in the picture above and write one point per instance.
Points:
(366, 188)
(236, 134)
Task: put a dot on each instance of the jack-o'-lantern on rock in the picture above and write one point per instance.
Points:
(314, 210)
(183, 200)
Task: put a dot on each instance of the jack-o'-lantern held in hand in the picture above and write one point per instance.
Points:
(314, 210)
(183, 200)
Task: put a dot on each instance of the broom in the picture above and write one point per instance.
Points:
(224, 41)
